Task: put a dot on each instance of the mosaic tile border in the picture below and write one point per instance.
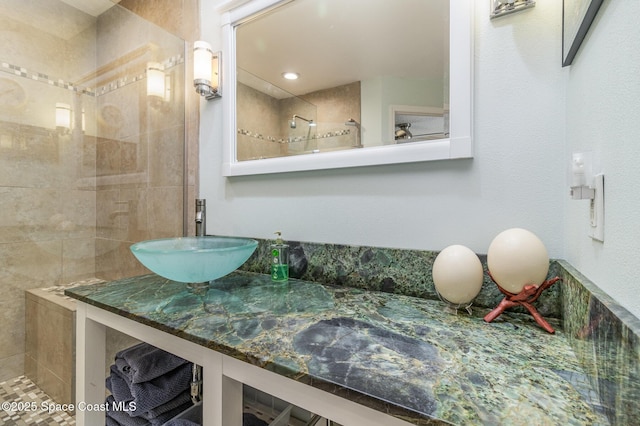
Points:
(127, 80)
(117, 83)
(324, 135)
(19, 71)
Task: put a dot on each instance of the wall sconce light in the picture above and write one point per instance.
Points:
(63, 117)
(505, 7)
(206, 70)
(158, 83)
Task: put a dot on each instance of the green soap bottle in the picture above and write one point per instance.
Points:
(279, 259)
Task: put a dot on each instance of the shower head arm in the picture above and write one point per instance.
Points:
(301, 118)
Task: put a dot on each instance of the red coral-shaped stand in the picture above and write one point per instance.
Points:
(526, 297)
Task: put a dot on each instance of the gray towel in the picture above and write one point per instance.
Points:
(181, 422)
(151, 394)
(124, 419)
(179, 401)
(121, 390)
(109, 421)
(121, 418)
(250, 419)
(143, 362)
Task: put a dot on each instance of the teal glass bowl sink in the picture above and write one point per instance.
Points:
(194, 259)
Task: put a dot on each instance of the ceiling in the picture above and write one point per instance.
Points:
(335, 42)
(91, 7)
(63, 18)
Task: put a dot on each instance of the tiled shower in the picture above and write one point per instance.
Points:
(89, 162)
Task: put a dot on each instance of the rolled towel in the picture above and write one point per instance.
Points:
(121, 417)
(165, 417)
(179, 401)
(250, 419)
(181, 422)
(118, 385)
(110, 421)
(124, 419)
(144, 362)
(152, 394)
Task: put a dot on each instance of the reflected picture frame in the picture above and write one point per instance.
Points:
(577, 17)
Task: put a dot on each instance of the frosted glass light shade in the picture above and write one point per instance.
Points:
(155, 80)
(457, 274)
(202, 66)
(517, 257)
(63, 115)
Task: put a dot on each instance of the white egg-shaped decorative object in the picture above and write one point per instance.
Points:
(516, 258)
(457, 274)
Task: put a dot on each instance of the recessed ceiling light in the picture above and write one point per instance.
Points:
(291, 75)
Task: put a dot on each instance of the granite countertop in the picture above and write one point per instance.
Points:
(412, 358)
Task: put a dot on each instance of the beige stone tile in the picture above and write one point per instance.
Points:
(25, 265)
(114, 260)
(29, 265)
(50, 337)
(118, 112)
(54, 386)
(166, 157)
(11, 366)
(78, 259)
(108, 221)
(30, 367)
(135, 221)
(165, 212)
(31, 331)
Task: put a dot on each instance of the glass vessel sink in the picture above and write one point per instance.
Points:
(194, 259)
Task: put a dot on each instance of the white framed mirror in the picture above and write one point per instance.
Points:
(274, 126)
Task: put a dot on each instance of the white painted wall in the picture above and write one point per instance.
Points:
(603, 116)
(517, 177)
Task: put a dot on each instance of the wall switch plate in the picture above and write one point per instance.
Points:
(596, 222)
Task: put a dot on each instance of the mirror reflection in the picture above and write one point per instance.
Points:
(363, 74)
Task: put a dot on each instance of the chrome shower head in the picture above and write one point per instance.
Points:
(352, 122)
(293, 125)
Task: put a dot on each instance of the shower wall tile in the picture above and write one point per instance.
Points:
(166, 157)
(43, 214)
(338, 104)
(164, 220)
(49, 348)
(119, 111)
(179, 17)
(135, 222)
(33, 32)
(107, 219)
(78, 259)
(11, 366)
(114, 260)
(261, 116)
(73, 202)
(26, 265)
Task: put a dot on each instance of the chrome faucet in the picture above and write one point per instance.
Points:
(201, 217)
(201, 231)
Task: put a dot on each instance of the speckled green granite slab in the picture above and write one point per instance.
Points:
(391, 270)
(606, 339)
(403, 355)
